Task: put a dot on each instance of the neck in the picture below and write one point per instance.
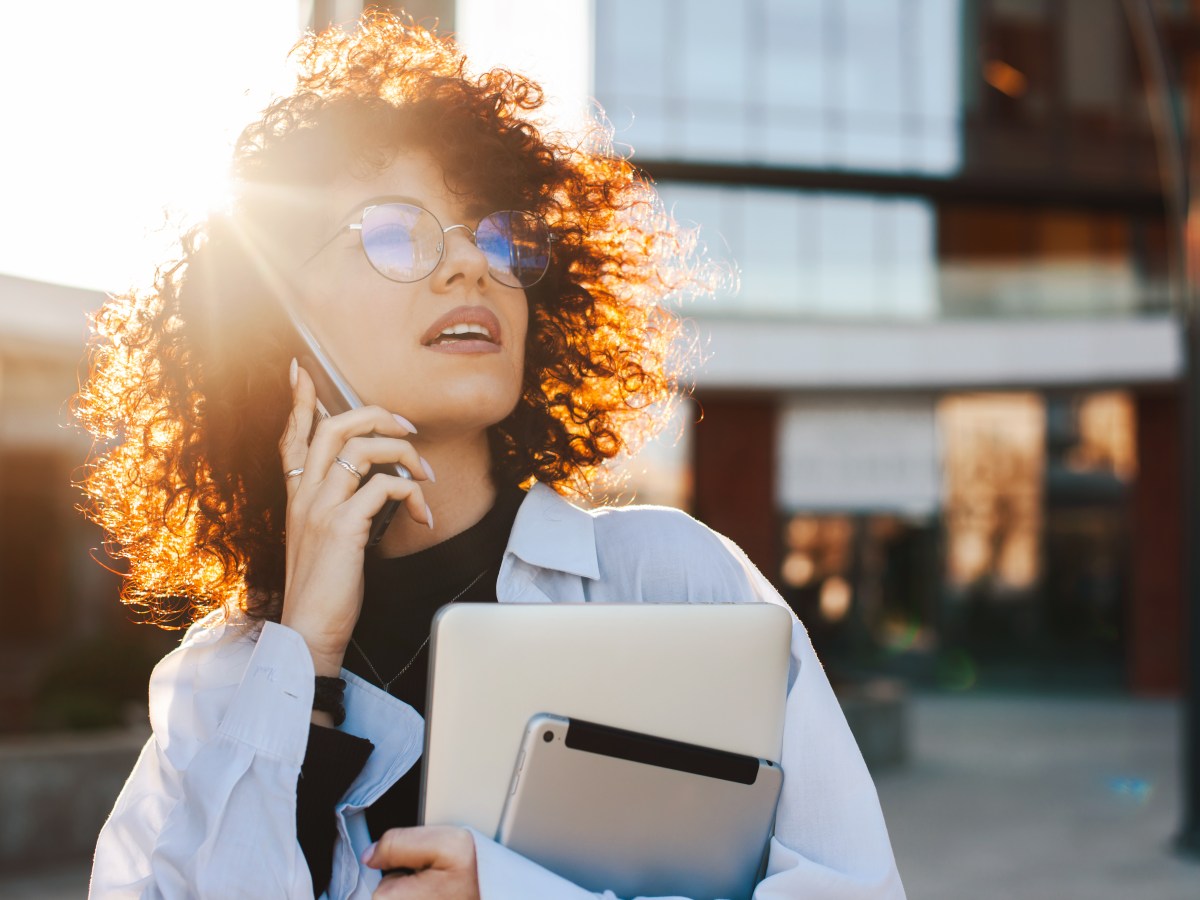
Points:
(462, 495)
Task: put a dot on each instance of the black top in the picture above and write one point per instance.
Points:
(400, 597)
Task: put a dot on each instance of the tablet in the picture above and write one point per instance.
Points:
(714, 675)
(611, 809)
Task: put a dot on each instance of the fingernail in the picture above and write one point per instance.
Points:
(403, 421)
(428, 469)
(292, 369)
(429, 516)
(367, 854)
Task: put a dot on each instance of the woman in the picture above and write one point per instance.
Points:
(493, 294)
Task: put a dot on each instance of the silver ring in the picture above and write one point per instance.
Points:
(292, 473)
(349, 467)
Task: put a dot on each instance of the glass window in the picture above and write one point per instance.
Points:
(907, 258)
(816, 255)
(854, 256)
(860, 84)
(632, 66)
(1037, 262)
(713, 50)
(714, 132)
(936, 117)
(993, 450)
(793, 58)
(868, 71)
(630, 60)
(848, 276)
(1035, 533)
(1093, 84)
(796, 139)
(773, 273)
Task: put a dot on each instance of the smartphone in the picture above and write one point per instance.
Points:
(335, 395)
(639, 815)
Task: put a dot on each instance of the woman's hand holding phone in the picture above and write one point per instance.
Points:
(329, 514)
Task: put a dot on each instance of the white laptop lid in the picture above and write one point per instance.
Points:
(707, 674)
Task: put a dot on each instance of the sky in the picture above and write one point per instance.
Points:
(119, 117)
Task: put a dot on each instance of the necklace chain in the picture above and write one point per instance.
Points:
(387, 683)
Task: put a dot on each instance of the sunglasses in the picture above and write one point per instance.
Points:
(404, 243)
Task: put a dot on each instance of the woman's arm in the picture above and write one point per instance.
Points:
(210, 807)
(830, 838)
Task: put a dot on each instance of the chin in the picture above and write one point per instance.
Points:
(468, 411)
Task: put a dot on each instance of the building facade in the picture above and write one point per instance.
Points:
(942, 413)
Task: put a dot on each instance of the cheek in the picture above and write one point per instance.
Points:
(521, 344)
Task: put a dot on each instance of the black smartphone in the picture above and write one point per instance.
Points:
(334, 396)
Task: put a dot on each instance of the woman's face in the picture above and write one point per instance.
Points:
(386, 336)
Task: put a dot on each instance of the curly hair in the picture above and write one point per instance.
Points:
(187, 392)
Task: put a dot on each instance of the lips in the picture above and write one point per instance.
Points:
(462, 325)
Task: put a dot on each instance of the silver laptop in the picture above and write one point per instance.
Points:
(713, 675)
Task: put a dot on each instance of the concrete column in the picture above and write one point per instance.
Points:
(1155, 617)
(734, 465)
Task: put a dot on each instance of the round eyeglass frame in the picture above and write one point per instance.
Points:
(441, 247)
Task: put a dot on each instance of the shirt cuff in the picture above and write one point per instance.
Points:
(272, 707)
(505, 875)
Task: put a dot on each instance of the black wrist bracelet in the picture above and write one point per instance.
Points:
(327, 697)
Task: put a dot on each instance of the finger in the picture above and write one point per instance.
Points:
(365, 452)
(411, 887)
(379, 489)
(332, 433)
(405, 887)
(293, 445)
(422, 847)
(399, 887)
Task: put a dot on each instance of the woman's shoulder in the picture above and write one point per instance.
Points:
(657, 524)
(665, 551)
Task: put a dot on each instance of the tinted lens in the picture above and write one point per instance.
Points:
(403, 242)
(517, 247)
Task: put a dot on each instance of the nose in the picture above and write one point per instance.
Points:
(461, 259)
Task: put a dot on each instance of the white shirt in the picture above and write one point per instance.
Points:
(210, 808)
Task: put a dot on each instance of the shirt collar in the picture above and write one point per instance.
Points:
(551, 533)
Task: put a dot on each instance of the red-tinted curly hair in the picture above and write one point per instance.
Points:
(188, 393)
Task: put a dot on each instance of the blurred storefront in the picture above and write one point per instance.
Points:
(942, 413)
(54, 599)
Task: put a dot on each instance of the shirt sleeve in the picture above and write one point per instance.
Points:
(209, 810)
(332, 761)
(830, 838)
